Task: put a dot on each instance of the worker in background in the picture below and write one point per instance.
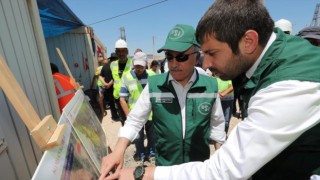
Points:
(64, 86)
(154, 67)
(311, 34)
(118, 68)
(107, 81)
(101, 87)
(284, 25)
(137, 50)
(227, 97)
(132, 85)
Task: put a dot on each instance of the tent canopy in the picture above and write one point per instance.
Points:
(57, 18)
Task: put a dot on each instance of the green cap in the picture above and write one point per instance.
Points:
(180, 39)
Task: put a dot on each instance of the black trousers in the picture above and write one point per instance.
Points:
(108, 97)
(121, 114)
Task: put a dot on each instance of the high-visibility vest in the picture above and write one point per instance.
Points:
(115, 75)
(222, 86)
(98, 70)
(151, 72)
(64, 88)
(135, 88)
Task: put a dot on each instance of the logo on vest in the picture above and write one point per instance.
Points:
(204, 108)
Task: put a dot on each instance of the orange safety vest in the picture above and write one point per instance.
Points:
(64, 88)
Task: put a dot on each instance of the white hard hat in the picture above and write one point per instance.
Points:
(284, 25)
(121, 44)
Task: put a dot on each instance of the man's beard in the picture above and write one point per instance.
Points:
(238, 65)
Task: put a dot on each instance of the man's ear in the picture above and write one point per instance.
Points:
(198, 57)
(249, 42)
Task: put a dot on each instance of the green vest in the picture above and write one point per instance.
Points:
(114, 66)
(171, 148)
(134, 88)
(289, 58)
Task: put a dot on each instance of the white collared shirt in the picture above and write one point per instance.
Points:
(140, 113)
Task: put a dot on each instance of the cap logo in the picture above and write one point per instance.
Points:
(176, 33)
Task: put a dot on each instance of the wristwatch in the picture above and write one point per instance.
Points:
(138, 172)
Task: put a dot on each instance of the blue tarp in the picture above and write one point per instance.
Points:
(57, 18)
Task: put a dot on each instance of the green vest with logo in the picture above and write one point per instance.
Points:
(114, 66)
(289, 58)
(135, 88)
(171, 147)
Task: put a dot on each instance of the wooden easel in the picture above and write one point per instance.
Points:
(68, 70)
(46, 133)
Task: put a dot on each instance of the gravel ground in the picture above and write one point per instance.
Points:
(111, 129)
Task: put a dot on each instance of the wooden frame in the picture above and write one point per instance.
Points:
(46, 133)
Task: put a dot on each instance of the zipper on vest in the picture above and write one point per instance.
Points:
(183, 151)
(192, 107)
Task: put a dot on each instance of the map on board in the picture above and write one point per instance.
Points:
(82, 148)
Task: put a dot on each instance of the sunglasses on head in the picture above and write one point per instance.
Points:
(180, 57)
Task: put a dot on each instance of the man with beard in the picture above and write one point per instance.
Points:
(278, 75)
(186, 109)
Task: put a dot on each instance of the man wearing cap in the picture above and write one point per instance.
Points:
(120, 67)
(132, 85)
(284, 25)
(107, 81)
(186, 110)
(312, 34)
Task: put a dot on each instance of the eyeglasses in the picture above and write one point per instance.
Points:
(180, 57)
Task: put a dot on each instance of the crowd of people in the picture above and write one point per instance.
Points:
(277, 86)
(255, 62)
(185, 84)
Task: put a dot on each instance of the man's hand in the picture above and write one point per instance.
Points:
(108, 85)
(111, 166)
(222, 94)
(113, 163)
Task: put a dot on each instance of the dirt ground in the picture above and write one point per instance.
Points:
(111, 129)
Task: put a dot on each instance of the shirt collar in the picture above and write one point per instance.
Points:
(191, 80)
(250, 72)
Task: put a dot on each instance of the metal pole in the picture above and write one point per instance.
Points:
(153, 47)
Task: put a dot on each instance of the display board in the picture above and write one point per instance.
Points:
(82, 148)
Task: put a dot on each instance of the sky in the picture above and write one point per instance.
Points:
(147, 22)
